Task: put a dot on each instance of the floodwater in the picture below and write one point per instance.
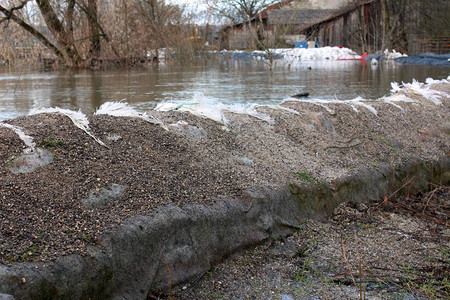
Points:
(23, 89)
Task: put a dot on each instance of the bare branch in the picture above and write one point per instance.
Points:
(31, 30)
(9, 12)
(239, 10)
(99, 26)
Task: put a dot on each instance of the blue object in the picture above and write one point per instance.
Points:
(426, 59)
(316, 44)
(303, 44)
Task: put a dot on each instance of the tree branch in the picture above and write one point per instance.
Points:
(9, 12)
(59, 33)
(99, 26)
(32, 30)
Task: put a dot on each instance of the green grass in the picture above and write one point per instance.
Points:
(427, 284)
(306, 176)
(50, 143)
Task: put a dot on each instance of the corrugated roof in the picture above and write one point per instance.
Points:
(299, 17)
(265, 13)
(310, 17)
(302, 18)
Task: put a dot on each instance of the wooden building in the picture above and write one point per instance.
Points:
(284, 23)
(357, 25)
(245, 35)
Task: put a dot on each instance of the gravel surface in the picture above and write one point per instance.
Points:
(42, 212)
(394, 249)
(42, 215)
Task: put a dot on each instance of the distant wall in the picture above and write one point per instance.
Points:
(359, 29)
(242, 37)
(322, 4)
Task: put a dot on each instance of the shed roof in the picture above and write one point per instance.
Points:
(281, 13)
(305, 18)
(274, 7)
(299, 17)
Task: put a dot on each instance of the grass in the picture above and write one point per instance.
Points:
(302, 274)
(29, 252)
(435, 289)
(34, 250)
(446, 252)
(434, 284)
(306, 176)
(50, 143)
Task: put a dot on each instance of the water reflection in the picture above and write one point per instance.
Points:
(232, 82)
(96, 91)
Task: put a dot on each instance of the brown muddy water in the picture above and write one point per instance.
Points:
(22, 89)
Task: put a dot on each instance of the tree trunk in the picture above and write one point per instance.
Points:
(386, 24)
(95, 28)
(396, 13)
(94, 50)
(402, 40)
(58, 31)
(127, 42)
(69, 20)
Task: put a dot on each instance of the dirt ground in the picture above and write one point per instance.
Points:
(394, 249)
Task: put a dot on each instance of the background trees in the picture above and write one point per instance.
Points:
(88, 33)
(80, 32)
(237, 11)
(69, 29)
(405, 20)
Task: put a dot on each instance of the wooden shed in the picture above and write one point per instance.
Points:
(356, 26)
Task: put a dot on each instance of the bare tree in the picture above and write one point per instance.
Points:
(363, 27)
(95, 33)
(58, 35)
(163, 21)
(404, 17)
(395, 26)
(271, 36)
(238, 11)
(13, 13)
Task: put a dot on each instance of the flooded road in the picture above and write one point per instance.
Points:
(22, 89)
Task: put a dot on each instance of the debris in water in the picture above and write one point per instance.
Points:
(301, 95)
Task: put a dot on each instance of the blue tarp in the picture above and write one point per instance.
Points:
(426, 59)
(303, 44)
